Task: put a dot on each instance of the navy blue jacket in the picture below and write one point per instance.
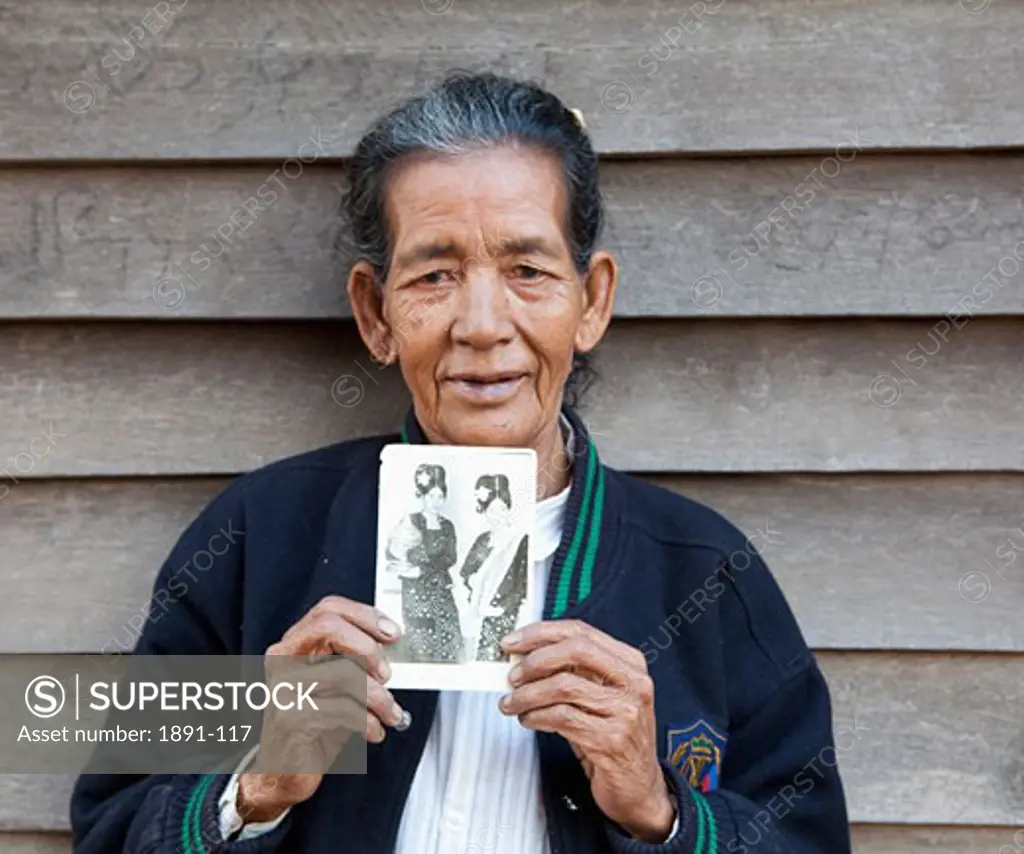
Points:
(743, 714)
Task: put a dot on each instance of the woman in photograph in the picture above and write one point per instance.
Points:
(422, 551)
(477, 215)
(494, 572)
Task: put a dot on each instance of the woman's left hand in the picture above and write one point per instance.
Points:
(595, 692)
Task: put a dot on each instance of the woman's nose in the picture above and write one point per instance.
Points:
(484, 316)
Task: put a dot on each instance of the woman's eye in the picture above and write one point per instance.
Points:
(528, 273)
(434, 277)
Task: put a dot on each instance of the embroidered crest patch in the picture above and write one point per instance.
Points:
(696, 752)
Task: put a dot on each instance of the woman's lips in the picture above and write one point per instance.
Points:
(487, 390)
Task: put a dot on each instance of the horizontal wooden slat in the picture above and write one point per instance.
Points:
(673, 396)
(35, 843)
(229, 80)
(921, 739)
(938, 740)
(901, 561)
(887, 235)
(81, 573)
(879, 562)
(866, 840)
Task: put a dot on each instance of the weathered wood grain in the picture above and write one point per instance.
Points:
(886, 235)
(673, 396)
(939, 740)
(35, 843)
(870, 839)
(234, 80)
(867, 839)
(81, 574)
(866, 561)
(886, 561)
(920, 739)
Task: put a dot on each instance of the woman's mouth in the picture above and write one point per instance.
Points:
(496, 388)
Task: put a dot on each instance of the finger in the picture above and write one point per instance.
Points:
(341, 712)
(593, 738)
(375, 732)
(331, 713)
(565, 720)
(576, 654)
(561, 688)
(325, 733)
(342, 677)
(382, 705)
(330, 675)
(327, 631)
(351, 682)
(303, 741)
(548, 632)
(337, 673)
(371, 620)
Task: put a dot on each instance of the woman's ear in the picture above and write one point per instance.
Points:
(367, 303)
(599, 300)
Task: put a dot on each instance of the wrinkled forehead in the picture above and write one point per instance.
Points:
(479, 204)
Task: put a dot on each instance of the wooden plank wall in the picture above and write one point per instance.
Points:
(819, 210)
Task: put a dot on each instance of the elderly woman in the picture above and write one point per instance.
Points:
(477, 213)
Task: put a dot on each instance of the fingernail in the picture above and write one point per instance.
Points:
(388, 627)
(515, 675)
(397, 713)
(513, 638)
(384, 671)
(405, 722)
(504, 701)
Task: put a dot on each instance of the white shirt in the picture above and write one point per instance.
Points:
(477, 787)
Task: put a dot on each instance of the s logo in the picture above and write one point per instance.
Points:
(44, 697)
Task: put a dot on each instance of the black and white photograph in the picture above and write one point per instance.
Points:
(453, 553)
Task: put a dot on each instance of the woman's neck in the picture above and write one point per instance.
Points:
(553, 465)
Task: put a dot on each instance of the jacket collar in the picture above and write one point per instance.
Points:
(580, 553)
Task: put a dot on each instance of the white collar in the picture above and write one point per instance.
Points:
(549, 516)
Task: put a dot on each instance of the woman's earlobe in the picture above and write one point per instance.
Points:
(368, 310)
(602, 279)
(383, 353)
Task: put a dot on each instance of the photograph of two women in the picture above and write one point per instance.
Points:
(454, 569)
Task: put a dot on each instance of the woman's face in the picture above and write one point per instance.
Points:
(482, 306)
(498, 513)
(434, 500)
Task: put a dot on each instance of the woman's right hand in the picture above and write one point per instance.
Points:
(309, 740)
